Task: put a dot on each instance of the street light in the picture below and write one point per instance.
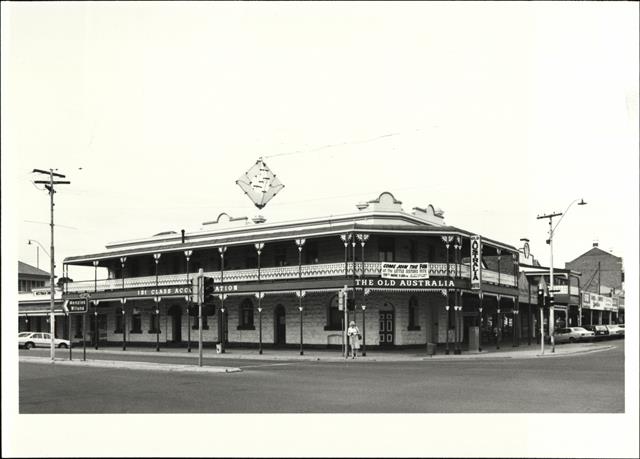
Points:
(40, 246)
(550, 242)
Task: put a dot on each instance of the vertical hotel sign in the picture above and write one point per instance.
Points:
(476, 262)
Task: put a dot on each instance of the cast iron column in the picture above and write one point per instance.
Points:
(447, 241)
(300, 294)
(156, 257)
(221, 324)
(259, 296)
(122, 302)
(95, 303)
(187, 254)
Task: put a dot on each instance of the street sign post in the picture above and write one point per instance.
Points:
(343, 295)
(200, 300)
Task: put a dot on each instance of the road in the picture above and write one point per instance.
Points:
(592, 382)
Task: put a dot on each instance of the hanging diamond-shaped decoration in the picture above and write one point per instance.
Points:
(260, 184)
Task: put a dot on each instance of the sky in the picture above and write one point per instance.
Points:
(496, 113)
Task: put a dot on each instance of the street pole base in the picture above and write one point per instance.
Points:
(301, 353)
(446, 352)
(457, 352)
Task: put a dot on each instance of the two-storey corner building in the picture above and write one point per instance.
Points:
(411, 280)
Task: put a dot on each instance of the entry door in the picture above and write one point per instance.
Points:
(280, 326)
(102, 327)
(176, 323)
(386, 328)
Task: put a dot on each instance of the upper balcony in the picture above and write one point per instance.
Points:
(319, 271)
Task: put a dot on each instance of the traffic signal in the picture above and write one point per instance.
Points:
(207, 293)
(341, 300)
(195, 290)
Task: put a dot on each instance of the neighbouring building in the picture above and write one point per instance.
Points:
(30, 277)
(411, 280)
(533, 284)
(34, 300)
(602, 280)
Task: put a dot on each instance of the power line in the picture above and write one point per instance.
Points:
(333, 145)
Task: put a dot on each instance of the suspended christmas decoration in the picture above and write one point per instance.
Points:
(260, 184)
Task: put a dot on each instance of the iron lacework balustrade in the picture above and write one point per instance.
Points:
(320, 270)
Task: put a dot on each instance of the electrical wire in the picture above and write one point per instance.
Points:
(333, 145)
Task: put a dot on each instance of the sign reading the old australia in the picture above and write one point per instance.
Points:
(405, 271)
(400, 283)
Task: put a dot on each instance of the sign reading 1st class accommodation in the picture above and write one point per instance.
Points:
(476, 262)
(405, 271)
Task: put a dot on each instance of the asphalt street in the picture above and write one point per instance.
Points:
(592, 382)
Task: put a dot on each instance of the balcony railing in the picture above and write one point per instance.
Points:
(278, 273)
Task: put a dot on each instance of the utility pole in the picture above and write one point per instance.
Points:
(551, 289)
(550, 242)
(49, 185)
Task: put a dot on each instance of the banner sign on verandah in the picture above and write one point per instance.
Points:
(405, 271)
(476, 262)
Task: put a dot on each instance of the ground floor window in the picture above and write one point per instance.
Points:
(246, 315)
(119, 321)
(413, 314)
(334, 315)
(205, 325)
(154, 323)
(78, 333)
(136, 322)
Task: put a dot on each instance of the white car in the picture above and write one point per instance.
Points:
(616, 331)
(39, 339)
(572, 334)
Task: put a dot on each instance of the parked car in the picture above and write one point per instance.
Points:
(601, 331)
(39, 339)
(616, 331)
(572, 334)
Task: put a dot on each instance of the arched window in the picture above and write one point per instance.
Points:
(154, 322)
(136, 321)
(246, 315)
(334, 315)
(413, 314)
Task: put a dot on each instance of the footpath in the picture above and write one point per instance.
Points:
(215, 362)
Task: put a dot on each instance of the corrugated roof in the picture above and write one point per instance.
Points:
(29, 270)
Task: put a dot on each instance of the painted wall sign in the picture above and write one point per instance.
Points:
(476, 262)
(404, 283)
(599, 302)
(405, 271)
(164, 291)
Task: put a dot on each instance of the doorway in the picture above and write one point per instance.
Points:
(280, 334)
(176, 323)
(387, 327)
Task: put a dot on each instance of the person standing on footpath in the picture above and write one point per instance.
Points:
(354, 338)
